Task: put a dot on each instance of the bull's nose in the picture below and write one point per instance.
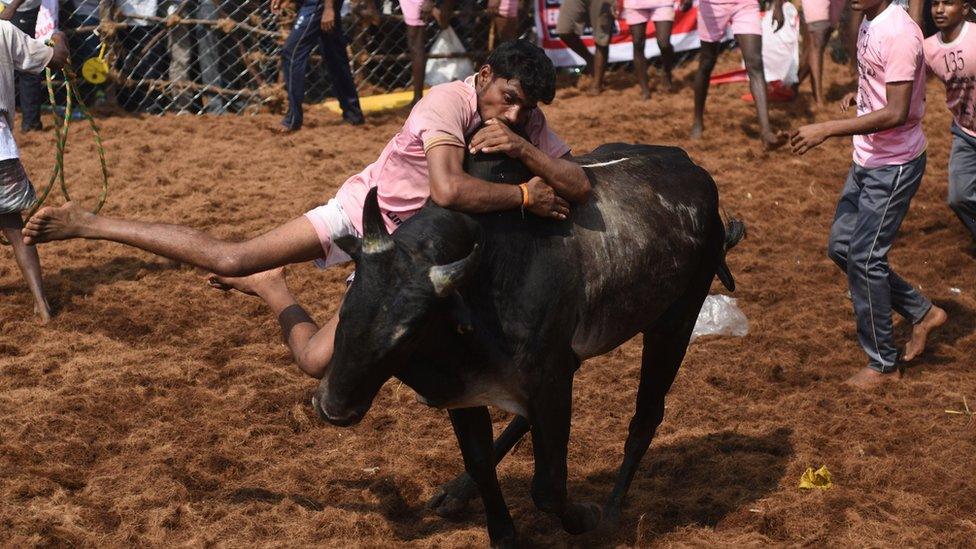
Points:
(339, 420)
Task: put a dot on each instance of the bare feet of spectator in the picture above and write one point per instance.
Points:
(867, 379)
(920, 332)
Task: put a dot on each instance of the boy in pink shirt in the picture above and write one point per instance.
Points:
(889, 160)
(743, 16)
(423, 160)
(636, 13)
(951, 56)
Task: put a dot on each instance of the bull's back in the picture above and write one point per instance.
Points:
(640, 239)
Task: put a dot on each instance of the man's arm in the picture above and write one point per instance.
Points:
(916, 9)
(451, 187)
(894, 114)
(566, 177)
(10, 9)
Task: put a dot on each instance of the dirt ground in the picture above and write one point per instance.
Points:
(155, 411)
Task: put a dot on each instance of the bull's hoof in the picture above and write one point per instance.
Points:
(581, 518)
(611, 517)
(451, 499)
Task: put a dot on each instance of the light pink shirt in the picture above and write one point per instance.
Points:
(889, 50)
(954, 63)
(648, 4)
(447, 115)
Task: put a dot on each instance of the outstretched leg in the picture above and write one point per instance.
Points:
(664, 349)
(28, 261)
(472, 426)
(454, 496)
(293, 242)
(550, 412)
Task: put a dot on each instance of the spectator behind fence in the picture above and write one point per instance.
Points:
(504, 15)
(416, 15)
(317, 24)
(573, 15)
(142, 56)
(181, 40)
(83, 45)
(23, 14)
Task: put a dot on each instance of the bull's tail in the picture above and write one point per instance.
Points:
(735, 231)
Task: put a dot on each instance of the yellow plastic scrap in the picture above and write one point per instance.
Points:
(816, 479)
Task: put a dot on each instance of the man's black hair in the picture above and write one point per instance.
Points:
(524, 61)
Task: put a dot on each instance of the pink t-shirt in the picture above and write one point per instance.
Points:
(954, 63)
(889, 50)
(447, 114)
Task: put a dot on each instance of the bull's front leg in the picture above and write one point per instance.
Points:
(551, 412)
(472, 426)
(452, 498)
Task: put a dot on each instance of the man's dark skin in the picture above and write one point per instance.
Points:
(503, 103)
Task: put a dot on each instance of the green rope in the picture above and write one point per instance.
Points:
(61, 140)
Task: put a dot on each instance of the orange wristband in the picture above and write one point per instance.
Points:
(526, 202)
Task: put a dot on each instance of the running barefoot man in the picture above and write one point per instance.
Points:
(21, 52)
(889, 160)
(423, 160)
(636, 13)
(714, 17)
(951, 56)
(573, 14)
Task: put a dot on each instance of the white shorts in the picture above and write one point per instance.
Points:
(331, 222)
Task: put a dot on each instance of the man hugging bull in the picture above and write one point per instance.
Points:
(424, 159)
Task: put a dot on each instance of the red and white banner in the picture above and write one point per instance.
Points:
(684, 36)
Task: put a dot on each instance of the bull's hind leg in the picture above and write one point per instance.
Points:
(453, 497)
(472, 426)
(551, 412)
(665, 345)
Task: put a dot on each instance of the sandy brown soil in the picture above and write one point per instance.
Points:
(156, 411)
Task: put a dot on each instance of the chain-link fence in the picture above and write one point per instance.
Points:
(219, 56)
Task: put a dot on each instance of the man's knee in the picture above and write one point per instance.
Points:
(230, 262)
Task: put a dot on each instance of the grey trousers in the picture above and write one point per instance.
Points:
(871, 208)
(962, 178)
(182, 39)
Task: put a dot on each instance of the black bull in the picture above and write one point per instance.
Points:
(499, 309)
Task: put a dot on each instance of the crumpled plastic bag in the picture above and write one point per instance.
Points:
(816, 479)
(440, 71)
(720, 315)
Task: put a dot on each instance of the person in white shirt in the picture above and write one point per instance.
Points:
(23, 53)
(23, 14)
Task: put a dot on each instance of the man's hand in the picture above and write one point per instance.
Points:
(328, 17)
(276, 6)
(808, 137)
(493, 7)
(496, 136)
(849, 100)
(778, 18)
(544, 202)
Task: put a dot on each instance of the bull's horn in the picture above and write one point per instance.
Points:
(447, 278)
(375, 237)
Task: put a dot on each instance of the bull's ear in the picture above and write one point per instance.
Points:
(351, 245)
(447, 278)
(375, 237)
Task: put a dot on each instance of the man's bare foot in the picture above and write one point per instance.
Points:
(867, 379)
(920, 332)
(282, 129)
(669, 86)
(67, 221)
(696, 130)
(772, 141)
(251, 284)
(43, 311)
